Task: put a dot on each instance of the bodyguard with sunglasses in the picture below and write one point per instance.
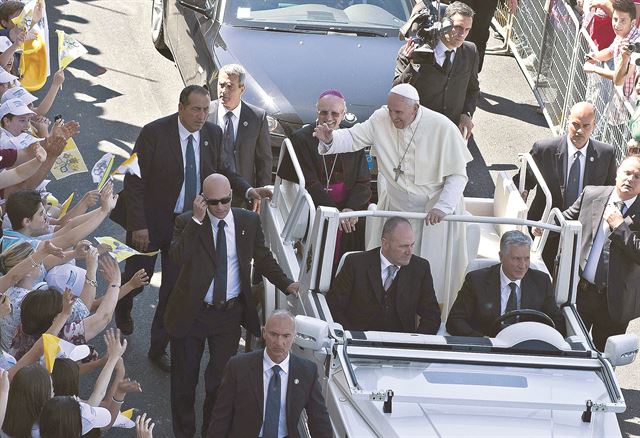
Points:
(214, 245)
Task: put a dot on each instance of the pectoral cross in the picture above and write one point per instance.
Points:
(327, 189)
(398, 171)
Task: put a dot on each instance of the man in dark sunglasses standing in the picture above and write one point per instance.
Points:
(175, 153)
(214, 245)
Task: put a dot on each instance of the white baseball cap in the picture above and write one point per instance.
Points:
(14, 106)
(66, 276)
(22, 141)
(93, 417)
(5, 43)
(18, 93)
(6, 77)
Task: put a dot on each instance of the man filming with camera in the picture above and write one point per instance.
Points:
(441, 65)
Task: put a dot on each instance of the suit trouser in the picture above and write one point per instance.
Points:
(220, 329)
(594, 311)
(170, 271)
(479, 34)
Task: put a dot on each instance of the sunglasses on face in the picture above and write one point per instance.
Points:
(217, 201)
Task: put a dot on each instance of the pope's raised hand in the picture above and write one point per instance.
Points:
(323, 133)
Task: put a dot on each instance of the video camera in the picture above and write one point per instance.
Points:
(425, 29)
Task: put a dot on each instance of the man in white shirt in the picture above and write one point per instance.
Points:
(264, 392)
(499, 289)
(447, 80)
(608, 295)
(245, 142)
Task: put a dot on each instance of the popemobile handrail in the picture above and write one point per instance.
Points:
(527, 160)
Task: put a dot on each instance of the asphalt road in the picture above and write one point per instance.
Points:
(124, 83)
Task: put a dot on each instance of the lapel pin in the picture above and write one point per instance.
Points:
(242, 232)
(206, 143)
(245, 124)
(591, 159)
(296, 381)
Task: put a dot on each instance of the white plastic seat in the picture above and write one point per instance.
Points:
(288, 192)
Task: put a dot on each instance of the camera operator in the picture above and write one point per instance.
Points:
(447, 76)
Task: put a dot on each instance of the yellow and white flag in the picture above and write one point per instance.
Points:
(124, 419)
(69, 49)
(130, 166)
(65, 206)
(69, 162)
(102, 169)
(55, 347)
(26, 16)
(119, 250)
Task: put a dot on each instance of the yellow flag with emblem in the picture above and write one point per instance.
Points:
(120, 251)
(65, 206)
(69, 162)
(69, 49)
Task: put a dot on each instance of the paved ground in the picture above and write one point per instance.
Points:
(124, 83)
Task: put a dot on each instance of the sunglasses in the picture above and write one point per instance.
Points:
(217, 201)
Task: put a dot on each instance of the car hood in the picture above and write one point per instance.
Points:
(288, 70)
(460, 402)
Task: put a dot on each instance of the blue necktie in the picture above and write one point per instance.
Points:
(572, 190)
(272, 411)
(601, 278)
(229, 142)
(220, 285)
(190, 176)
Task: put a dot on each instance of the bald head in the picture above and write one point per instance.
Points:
(279, 333)
(216, 187)
(581, 123)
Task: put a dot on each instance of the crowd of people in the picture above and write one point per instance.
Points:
(203, 173)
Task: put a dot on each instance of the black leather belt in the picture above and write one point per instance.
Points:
(584, 285)
(227, 305)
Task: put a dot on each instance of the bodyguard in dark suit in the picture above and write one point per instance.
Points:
(175, 154)
(609, 289)
(246, 144)
(214, 245)
(510, 285)
(448, 81)
(567, 164)
(264, 392)
(383, 289)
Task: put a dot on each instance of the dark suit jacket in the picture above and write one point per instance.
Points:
(355, 297)
(623, 288)
(240, 403)
(449, 94)
(478, 303)
(551, 157)
(193, 249)
(148, 202)
(355, 170)
(253, 146)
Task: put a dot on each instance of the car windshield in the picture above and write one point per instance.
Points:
(319, 15)
(467, 381)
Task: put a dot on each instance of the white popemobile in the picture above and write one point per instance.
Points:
(528, 380)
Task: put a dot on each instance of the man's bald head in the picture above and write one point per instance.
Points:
(216, 187)
(582, 120)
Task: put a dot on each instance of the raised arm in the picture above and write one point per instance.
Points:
(94, 324)
(115, 350)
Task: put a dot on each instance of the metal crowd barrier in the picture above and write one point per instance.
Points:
(549, 45)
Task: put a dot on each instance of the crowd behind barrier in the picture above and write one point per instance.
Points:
(550, 46)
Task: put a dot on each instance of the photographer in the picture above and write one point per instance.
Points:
(447, 76)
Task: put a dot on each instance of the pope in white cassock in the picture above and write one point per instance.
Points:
(422, 159)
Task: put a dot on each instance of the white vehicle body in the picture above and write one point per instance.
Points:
(526, 381)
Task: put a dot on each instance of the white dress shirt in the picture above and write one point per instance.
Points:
(235, 118)
(505, 291)
(589, 272)
(439, 53)
(184, 134)
(233, 268)
(267, 372)
(571, 150)
(384, 264)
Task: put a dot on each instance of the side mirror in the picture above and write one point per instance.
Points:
(204, 7)
(311, 333)
(621, 349)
